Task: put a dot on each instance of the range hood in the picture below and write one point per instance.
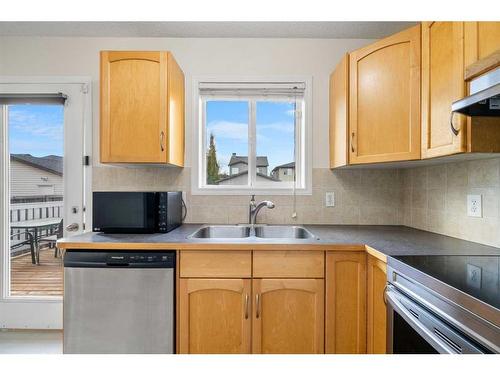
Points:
(484, 98)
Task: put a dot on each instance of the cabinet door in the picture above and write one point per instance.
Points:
(288, 316)
(133, 107)
(442, 84)
(345, 303)
(214, 316)
(481, 40)
(339, 99)
(384, 99)
(377, 312)
(175, 136)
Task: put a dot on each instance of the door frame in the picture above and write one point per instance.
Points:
(53, 318)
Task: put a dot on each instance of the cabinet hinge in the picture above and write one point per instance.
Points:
(85, 88)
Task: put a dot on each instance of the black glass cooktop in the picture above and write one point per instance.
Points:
(478, 276)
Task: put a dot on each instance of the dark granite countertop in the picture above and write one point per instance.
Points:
(388, 240)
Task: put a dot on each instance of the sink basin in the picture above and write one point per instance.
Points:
(215, 232)
(222, 231)
(282, 231)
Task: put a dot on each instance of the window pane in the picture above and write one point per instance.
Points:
(275, 127)
(226, 142)
(36, 198)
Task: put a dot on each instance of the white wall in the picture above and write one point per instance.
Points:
(225, 57)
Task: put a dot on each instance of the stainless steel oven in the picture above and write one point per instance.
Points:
(431, 307)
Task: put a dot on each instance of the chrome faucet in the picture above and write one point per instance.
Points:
(255, 208)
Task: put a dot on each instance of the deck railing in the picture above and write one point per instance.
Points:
(32, 211)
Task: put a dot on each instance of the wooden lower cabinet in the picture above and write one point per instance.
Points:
(376, 308)
(288, 316)
(345, 323)
(214, 316)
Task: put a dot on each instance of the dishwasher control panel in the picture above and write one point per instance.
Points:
(130, 259)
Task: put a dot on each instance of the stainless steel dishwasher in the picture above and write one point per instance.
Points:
(119, 302)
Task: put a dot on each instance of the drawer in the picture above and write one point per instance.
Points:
(213, 263)
(291, 263)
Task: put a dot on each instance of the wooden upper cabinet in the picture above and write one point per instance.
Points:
(481, 40)
(215, 316)
(384, 99)
(442, 84)
(376, 308)
(142, 108)
(345, 331)
(339, 114)
(288, 316)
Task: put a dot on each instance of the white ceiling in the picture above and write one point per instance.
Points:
(327, 30)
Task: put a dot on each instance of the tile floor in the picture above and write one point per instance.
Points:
(30, 342)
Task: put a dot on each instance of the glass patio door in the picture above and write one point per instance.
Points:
(43, 196)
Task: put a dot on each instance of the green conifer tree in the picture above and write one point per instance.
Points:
(212, 164)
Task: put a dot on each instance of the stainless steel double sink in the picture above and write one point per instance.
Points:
(216, 232)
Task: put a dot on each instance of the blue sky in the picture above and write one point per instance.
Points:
(36, 129)
(228, 121)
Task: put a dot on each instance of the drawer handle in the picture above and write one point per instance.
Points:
(246, 305)
(257, 306)
(162, 135)
(453, 130)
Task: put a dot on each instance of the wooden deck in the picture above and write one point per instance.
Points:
(45, 279)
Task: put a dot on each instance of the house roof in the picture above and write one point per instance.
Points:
(246, 172)
(287, 165)
(261, 160)
(49, 163)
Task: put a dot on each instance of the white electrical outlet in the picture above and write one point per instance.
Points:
(330, 199)
(474, 205)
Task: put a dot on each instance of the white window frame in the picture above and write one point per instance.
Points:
(303, 143)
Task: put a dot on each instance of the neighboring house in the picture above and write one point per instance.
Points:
(284, 172)
(35, 179)
(238, 171)
(242, 179)
(239, 164)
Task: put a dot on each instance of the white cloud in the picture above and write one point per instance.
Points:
(285, 127)
(35, 126)
(290, 112)
(229, 130)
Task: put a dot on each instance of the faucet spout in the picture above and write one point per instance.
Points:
(254, 209)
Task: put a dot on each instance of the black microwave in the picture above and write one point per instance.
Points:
(136, 212)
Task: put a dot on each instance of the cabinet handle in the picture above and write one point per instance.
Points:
(246, 306)
(384, 294)
(257, 306)
(162, 135)
(453, 130)
(352, 142)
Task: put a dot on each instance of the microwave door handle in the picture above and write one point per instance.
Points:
(412, 318)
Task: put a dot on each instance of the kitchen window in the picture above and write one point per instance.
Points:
(253, 137)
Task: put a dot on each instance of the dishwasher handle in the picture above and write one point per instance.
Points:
(119, 259)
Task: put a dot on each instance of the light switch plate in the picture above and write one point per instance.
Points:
(473, 276)
(474, 205)
(330, 199)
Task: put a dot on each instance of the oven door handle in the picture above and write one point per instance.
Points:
(431, 329)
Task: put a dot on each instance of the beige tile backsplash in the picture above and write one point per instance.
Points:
(435, 199)
(361, 197)
(431, 198)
